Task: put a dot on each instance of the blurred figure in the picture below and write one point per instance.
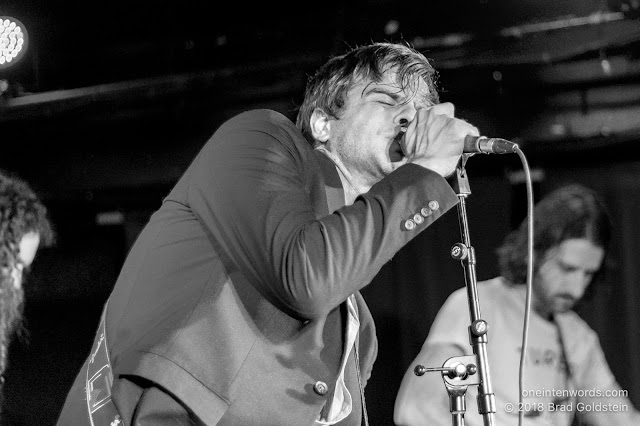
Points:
(566, 373)
(24, 227)
(239, 303)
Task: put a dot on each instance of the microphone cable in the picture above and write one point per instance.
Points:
(527, 309)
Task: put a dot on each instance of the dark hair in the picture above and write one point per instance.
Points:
(328, 87)
(571, 211)
(21, 212)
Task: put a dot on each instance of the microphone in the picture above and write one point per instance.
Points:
(485, 145)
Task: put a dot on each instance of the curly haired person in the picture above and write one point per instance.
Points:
(24, 227)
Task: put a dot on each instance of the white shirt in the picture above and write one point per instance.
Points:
(340, 406)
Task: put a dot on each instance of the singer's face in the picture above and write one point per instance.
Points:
(366, 135)
(564, 275)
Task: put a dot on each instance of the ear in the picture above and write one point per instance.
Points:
(320, 125)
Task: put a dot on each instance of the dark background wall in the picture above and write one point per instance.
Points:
(108, 107)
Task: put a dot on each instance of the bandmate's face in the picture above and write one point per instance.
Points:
(564, 275)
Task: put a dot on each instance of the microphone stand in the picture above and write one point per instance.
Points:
(460, 372)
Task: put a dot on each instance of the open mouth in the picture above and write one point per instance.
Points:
(395, 149)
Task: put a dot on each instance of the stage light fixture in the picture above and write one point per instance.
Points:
(13, 41)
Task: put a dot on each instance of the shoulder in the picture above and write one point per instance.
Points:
(493, 286)
(267, 130)
(489, 291)
(495, 295)
(260, 116)
(261, 120)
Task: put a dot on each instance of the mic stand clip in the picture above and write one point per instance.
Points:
(458, 373)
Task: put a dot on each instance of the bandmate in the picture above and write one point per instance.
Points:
(239, 303)
(24, 227)
(566, 373)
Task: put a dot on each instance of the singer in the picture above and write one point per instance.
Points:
(239, 303)
(566, 368)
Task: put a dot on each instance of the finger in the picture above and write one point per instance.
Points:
(468, 128)
(409, 140)
(445, 108)
(473, 131)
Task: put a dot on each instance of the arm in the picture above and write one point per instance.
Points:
(248, 187)
(595, 375)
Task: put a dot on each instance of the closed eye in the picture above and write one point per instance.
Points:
(386, 98)
(383, 96)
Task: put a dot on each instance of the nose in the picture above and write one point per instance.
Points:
(578, 283)
(406, 114)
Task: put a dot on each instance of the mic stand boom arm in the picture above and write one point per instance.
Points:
(460, 372)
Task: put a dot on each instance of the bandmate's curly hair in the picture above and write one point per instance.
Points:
(21, 213)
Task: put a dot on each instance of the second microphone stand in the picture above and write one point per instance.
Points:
(460, 372)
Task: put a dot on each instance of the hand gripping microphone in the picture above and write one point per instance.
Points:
(485, 145)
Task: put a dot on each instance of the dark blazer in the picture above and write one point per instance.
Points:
(232, 297)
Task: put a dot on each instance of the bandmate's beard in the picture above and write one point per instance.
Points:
(11, 316)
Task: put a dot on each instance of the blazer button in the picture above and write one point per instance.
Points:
(409, 224)
(425, 212)
(320, 388)
(418, 219)
(433, 205)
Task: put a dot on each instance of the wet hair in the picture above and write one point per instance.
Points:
(569, 212)
(327, 89)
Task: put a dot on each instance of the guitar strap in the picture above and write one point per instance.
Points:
(99, 379)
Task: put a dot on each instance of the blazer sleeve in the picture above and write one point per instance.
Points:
(248, 186)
